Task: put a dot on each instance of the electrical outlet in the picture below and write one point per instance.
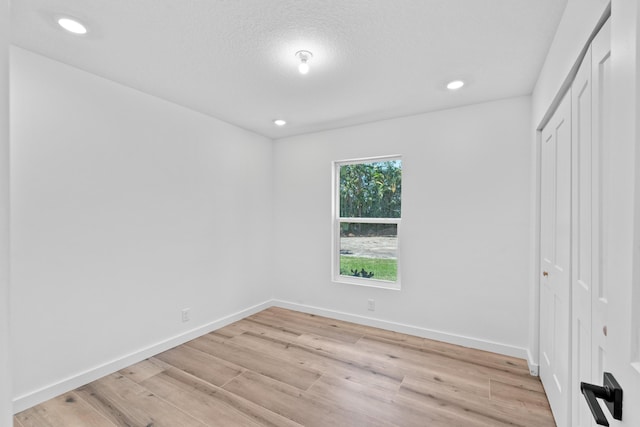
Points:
(186, 314)
(371, 305)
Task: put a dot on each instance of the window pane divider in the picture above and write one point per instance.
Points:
(371, 220)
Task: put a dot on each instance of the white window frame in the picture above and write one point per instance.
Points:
(337, 220)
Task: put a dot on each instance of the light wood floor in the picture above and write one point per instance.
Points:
(285, 368)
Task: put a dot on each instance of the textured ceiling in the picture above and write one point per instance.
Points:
(234, 59)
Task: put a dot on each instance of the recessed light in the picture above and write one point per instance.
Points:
(455, 85)
(72, 26)
(279, 122)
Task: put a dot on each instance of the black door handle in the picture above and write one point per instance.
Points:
(611, 393)
(591, 392)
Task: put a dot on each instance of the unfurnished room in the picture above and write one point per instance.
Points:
(319, 213)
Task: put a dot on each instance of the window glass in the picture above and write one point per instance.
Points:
(371, 190)
(369, 250)
(368, 196)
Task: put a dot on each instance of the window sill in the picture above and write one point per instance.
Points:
(382, 284)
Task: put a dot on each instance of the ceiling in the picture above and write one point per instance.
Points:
(235, 59)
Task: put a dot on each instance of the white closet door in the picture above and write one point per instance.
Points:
(586, 186)
(591, 107)
(555, 256)
(616, 349)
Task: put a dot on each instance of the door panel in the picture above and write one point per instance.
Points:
(584, 243)
(555, 244)
(601, 72)
(615, 114)
(591, 110)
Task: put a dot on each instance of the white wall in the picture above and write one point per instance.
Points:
(465, 223)
(5, 378)
(576, 26)
(126, 209)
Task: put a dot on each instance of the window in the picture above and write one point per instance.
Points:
(366, 221)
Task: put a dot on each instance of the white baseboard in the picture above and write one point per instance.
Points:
(534, 367)
(494, 347)
(38, 396)
(33, 398)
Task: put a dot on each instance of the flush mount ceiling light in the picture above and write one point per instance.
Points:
(72, 26)
(304, 56)
(455, 85)
(279, 122)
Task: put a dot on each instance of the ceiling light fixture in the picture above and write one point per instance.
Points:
(279, 122)
(72, 26)
(304, 56)
(455, 85)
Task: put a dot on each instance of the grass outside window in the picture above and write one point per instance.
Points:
(382, 269)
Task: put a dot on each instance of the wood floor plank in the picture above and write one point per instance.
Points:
(262, 363)
(379, 403)
(454, 353)
(453, 379)
(525, 382)
(465, 410)
(282, 334)
(357, 330)
(517, 397)
(440, 370)
(255, 412)
(126, 403)
(292, 403)
(443, 417)
(201, 364)
(416, 360)
(68, 410)
(142, 370)
(195, 403)
(348, 352)
(231, 330)
(291, 369)
(469, 407)
(333, 330)
(484, 358)
(292, 353)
